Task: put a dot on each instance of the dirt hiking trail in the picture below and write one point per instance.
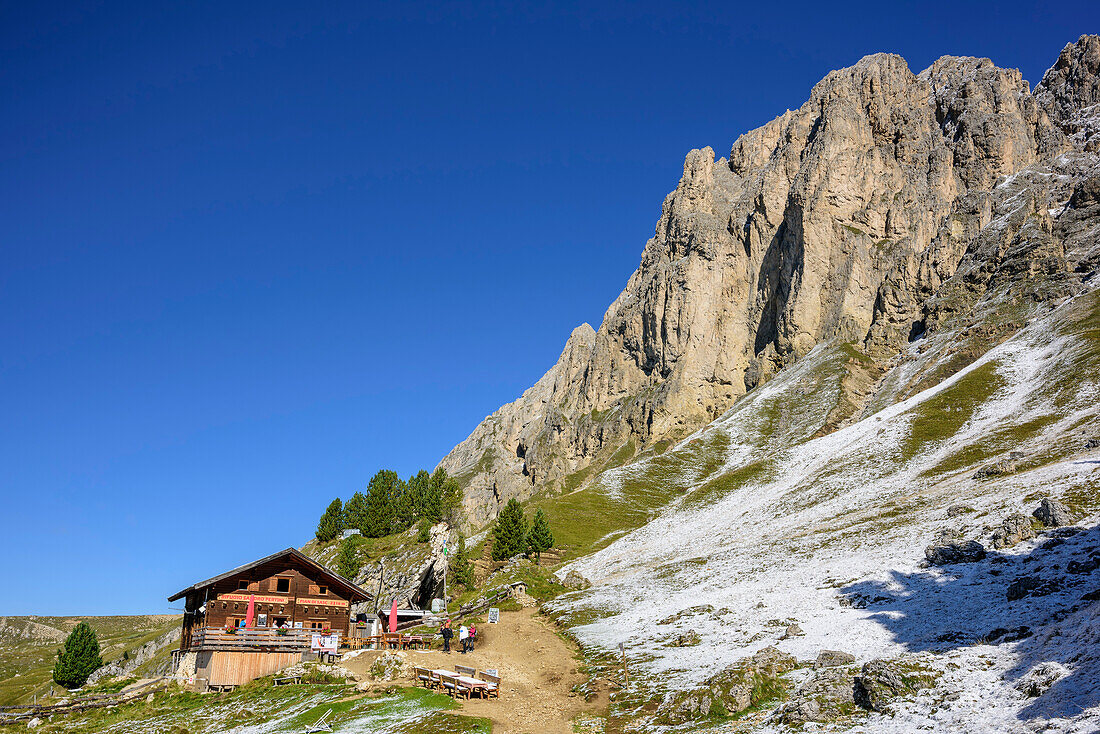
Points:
(538, 670)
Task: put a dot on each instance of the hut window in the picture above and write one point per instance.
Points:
(242, 585)
(282, 585)
(322, 590)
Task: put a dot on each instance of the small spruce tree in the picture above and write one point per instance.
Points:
(540, 537)
(509, 532)
(79, 658)
(462, 572)
(347, 560)
(424, 531)
(332, 522)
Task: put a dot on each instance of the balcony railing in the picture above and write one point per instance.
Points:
(265, 639)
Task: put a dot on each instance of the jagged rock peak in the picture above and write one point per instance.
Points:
(842, 221)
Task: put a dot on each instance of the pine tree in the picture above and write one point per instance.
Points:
(509, 532)
(404, 508)
(460, 569)
(347, 560)
(380, 503)
(540, 537)
(355, 513)
(79, 658)
(332, 522)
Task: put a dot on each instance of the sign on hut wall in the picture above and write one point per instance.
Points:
(260, 598)
(321, 602)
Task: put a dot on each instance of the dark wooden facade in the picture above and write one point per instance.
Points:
(288, 587)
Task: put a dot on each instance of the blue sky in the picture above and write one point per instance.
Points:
(250, 254)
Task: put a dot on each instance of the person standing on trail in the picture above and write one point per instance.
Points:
(447, 633)
(463, 638)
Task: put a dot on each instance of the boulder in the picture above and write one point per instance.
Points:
(792, 631)
(686, 706)
(958, 510)
(390, 665)
(833, 659)
(881, 681)
(1053, 513)
(575, 582)
(731, 690)
(1014, 529)
(826, 696)
(998, 468)
(948, 548)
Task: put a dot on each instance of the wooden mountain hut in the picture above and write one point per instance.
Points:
(293, 598)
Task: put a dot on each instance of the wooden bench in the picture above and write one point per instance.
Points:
(463, 670)
(424, 677)
(449, 684)
(295, 679)
(493, 681)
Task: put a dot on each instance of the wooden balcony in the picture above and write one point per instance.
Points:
(263, 639)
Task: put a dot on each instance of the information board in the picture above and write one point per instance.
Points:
(324, 643)
(494, 615)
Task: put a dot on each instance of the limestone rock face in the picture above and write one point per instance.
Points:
(883, 207)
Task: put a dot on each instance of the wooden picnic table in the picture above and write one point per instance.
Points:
(473, 683)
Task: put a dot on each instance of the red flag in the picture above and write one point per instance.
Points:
(251, 611)
(393, 616)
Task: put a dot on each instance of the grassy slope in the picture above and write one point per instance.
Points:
(261, 707)
(25, 665)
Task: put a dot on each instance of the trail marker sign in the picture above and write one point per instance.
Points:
(494, 615)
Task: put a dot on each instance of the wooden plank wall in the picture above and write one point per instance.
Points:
(223, 668)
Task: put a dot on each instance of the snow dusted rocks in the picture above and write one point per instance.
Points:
(882, 681)
(833, 659)
(750, 682)
(1039, 679)
(1014, 529)
(1053, 513)
(949, 547)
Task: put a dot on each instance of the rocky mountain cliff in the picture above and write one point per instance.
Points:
(888, 207)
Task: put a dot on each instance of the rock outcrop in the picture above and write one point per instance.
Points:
(887, 206)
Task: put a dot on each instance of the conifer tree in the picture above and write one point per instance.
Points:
(332, 522)
(462, 572)
(347, 560)
(355, 513)
(540, 537)
(509, 532)
(79, 658)
(404, 508)
(380, 504)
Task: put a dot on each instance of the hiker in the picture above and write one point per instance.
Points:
(447, 633)
(471, 637)
(464, 637)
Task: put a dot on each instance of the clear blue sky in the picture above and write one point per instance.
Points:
(250, 254)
